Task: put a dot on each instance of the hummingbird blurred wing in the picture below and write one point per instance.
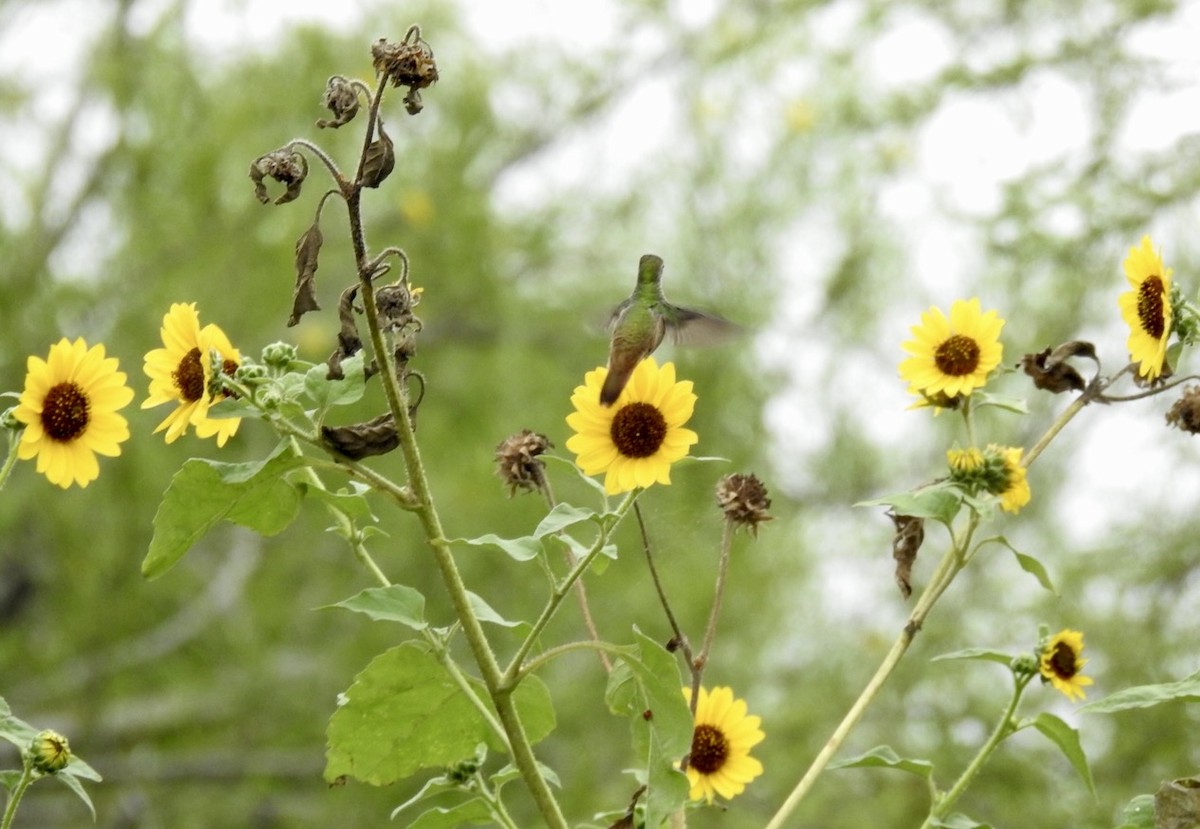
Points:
(696, 328)
(616, 315)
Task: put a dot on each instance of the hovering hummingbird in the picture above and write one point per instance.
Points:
(639, 324)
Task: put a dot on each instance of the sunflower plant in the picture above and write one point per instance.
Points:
(449, 698)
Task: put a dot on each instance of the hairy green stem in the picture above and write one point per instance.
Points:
(1004, 727)
(14, 438)
(14, 800)
(549, 654)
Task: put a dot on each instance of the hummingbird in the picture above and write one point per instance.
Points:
(639, 324)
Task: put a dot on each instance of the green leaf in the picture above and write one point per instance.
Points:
(326, 393)
(1138, 813)
(884, 757)
(985, 654)
(1145, 696)
(1018, 405)
(649, 691)
(474, 811)
(395, 603)
(520, 549)
(510, 773)
(536, 708)
(959, 821)
(14, 729)
(205, 492)
(353, 503)
(72, 783)
(940, 502)
(561, 517)
(486, 613)
(1067, 740)
(1028, 563)
(403, 713)
(10, 778)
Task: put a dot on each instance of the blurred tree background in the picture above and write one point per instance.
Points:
(796, 173)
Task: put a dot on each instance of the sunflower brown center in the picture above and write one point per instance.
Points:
(189, 376)
(638, 430)
(65, 412)
(1062, 661)
(1150, 306)
(710, 749)
(957, 356)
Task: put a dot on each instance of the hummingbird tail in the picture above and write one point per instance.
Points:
(614, 384)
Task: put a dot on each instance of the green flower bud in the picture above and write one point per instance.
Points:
(1024, 665)
(50, 752)
(249, 374)
(9, 419)
(279, 355)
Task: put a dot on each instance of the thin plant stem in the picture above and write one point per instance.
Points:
(585, 608)
(425, 510)
(513, 671)
(679, 637)
(947, 569)
(570, 647)
(10, 460)
(710, 631)
(14, 799)
(1004, 727)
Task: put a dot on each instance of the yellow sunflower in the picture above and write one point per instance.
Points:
(69, 408)
(720, 761)
(1147, 309)
(634, 441)
(181, 373)
(952, 357)
(1060, 664)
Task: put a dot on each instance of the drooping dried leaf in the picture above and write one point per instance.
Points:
(308, 249)
(1050, 370)
(377, 436)
(910, 534)
(380, 159)
(1177, 804)
(349, 343)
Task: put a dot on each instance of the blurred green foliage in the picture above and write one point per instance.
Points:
(203, 697)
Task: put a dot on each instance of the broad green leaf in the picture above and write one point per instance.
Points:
(71, 781)
(474, 811)
(205, 492)
(592, 482)
(536, 708)
(10, 778)
(326, 393)
(649, 691)
(884, 757)
(940, 502)
(520, 549)
(14, 729)
(395, 603)
(1145, 696)
(1028, 563)
(510, 773)
(959, 821)
(352, 503)
(486, 613)
(1067, 740)
(79, 768)
(561, 517)
(985, 654)
(403, 713)
(1138, 813)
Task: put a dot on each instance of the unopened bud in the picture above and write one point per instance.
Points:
(279, 355)
(50, 752)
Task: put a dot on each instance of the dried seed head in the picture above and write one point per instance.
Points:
(340, 98)
(744, 500)
(408, 63)
(1185, 414)
(284, 165)
(517, 461)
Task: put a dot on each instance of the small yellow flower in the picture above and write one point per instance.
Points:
(181, 373)
(952, 357)
(1147, 309)
(1016, 492)
(634, 441)
(964, 460)
(720, 761)
(1060, 664)
(69, 408)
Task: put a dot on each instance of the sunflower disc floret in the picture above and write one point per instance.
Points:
(1147, 309)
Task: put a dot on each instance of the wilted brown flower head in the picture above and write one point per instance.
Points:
(340, 98)
(408, 63)
(1185, 414)
(517, 461)
(284, 165)
(744, 500)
